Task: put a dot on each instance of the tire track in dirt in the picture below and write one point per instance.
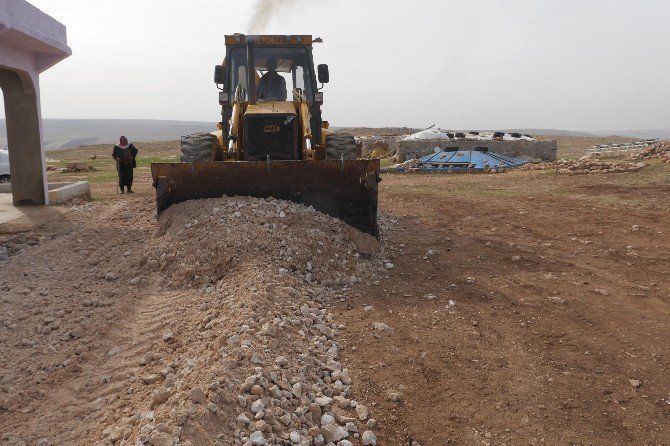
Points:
(67, 309)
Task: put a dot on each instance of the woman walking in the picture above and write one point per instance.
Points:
(124, 154)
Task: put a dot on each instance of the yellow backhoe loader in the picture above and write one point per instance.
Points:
(272, 141)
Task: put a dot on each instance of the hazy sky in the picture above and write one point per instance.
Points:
(572, 64)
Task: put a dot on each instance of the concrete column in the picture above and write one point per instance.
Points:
(24, 137)
(30, 42)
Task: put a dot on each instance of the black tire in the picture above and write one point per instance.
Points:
(342, 145)
(197, 147)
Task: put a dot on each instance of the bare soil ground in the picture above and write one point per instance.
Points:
(560, 296)
(523, 308)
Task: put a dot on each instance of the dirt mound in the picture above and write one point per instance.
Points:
(204, 241)
(585, 165)
(251, 356)
(659, 150)
(213, 329)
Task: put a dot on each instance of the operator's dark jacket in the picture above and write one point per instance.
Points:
(272, 87)
(125, 160)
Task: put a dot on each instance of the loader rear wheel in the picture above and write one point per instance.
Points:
(197, 147)
(342, 145)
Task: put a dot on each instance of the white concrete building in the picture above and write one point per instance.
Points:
(30, 42)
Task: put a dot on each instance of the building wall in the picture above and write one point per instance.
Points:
(533, 150)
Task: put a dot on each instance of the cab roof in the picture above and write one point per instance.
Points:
(270, 39)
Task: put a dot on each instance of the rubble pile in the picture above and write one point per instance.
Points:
(585, 165)
(222, 333)
(78, 167)
(660, 150)
(203, 240)
(250, 354)
(413, 165)
(257, 364)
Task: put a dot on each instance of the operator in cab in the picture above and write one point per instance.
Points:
(272, 86)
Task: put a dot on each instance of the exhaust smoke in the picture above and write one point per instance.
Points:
(264, 11)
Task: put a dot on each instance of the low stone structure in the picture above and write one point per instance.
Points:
(60, 193)
(532, 150)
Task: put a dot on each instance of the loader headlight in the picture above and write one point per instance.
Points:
(318, 97)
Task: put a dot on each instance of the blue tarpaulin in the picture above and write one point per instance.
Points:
(463, 160)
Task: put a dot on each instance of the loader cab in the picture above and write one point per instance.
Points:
(286, 63)
(293, 65)
(289, 64)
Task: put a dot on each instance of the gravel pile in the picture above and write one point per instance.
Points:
(202, 242)
(585, 165)
(660, 150)
(249, 353)
(214, 329)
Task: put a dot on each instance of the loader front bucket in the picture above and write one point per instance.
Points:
(342, 189)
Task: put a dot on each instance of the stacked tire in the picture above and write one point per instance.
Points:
(198, 147)
(342, 145)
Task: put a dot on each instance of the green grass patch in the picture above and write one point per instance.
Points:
(146, 161)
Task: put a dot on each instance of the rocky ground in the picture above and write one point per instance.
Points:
(521, 308)
(660, 150)
(585, 165)
(233, 343)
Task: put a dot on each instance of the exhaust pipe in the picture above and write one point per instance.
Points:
(251, 71)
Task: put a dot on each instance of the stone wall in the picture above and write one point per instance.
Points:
(533, 150)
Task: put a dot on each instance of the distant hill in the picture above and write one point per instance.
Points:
(642, 134)
(547, 132)
(68, 133)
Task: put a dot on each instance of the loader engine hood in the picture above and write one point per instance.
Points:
(271, 130)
